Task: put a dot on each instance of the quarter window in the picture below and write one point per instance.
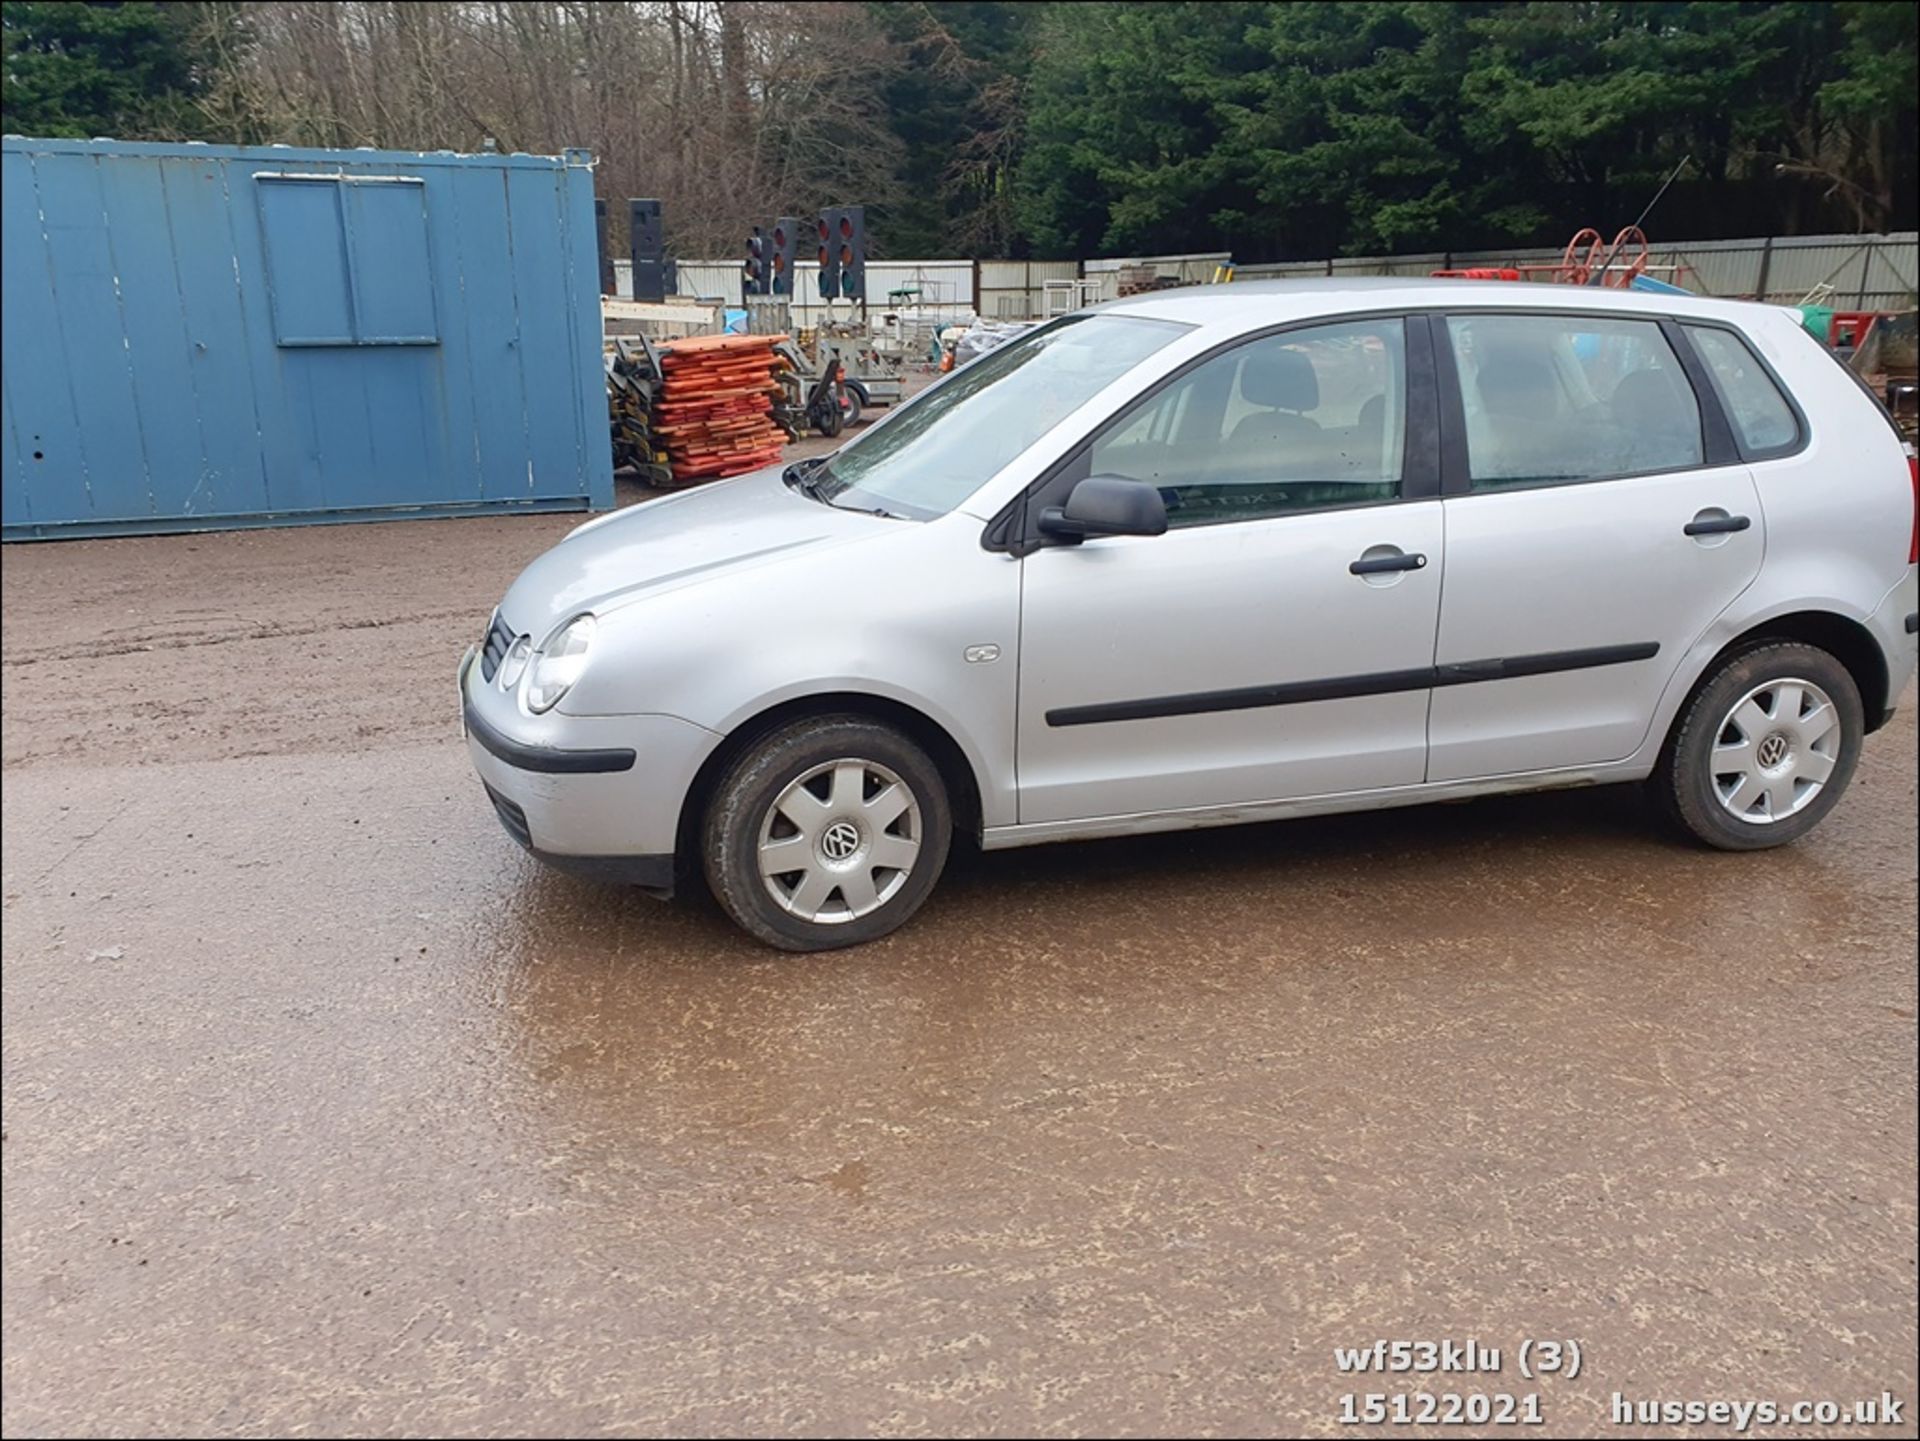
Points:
(1301, 420)
(1759, 411)
(1553, 399)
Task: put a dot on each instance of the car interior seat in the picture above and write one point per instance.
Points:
(1520, 401)
(1282, 382)
(1646, 403)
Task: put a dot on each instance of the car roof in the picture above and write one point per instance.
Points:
(1254, 304)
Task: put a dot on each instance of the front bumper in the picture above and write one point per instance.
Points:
(547, 759)
(650, 873)
(597, 796)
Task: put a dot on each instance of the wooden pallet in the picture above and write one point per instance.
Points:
(714, 409)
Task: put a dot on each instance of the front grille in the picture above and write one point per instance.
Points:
(511, 817)
(494, 649)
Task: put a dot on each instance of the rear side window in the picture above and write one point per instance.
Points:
(1759, 412)
(1556, 399)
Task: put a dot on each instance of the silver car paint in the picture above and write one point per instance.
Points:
(1118, 618)
(853, 603)
(1569, 568)
(722, 602)
(633, 812)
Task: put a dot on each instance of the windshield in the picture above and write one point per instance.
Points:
(939, 449)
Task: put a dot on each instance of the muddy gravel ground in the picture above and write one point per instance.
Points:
(327, 1110)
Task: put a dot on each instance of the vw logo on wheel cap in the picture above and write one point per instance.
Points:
(841, 840)
(1773, 750)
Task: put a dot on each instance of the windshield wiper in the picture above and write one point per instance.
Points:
(803, 476)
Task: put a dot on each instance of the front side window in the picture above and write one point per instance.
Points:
(1554, 399)
(1297, 421)
(944, 445)
(1759, 411)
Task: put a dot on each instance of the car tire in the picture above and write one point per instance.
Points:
(855, 805)
(1764, 748)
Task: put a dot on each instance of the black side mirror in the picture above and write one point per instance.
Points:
(1106, 505)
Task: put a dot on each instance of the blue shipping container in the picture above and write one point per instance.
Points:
(199, 337)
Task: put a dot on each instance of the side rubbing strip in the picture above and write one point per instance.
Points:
(1347, 687)
(1250, 698)
(1547, 663)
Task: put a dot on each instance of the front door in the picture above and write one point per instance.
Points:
(1277, 641)
(1591, 544)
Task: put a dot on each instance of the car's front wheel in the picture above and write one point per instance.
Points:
(827, 832)
(1765, 748)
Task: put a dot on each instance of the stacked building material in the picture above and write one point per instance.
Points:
(633, 379)
(714, 411)
(1143, 280)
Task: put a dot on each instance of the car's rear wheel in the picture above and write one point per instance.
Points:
(1765, 748)
(827, 832)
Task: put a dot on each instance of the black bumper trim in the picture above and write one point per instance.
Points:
(550, 760)
(654, 874)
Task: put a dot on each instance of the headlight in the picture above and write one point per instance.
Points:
(559, 664)
(515, 662)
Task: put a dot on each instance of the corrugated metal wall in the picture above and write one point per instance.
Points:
(944, 286)
(944, 289)
(1016, 289)
(198, 337)
(1196, 269)
(1866, 272)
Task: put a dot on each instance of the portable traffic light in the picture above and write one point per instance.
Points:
(784, 254)
(753, 275)
(850, 226)
(647, 238)
(607, 284)
(829, 234)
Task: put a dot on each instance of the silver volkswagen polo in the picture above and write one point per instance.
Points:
(1224, 555)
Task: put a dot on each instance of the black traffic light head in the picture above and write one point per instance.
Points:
(648, 246)
(850, 233)
(753, 275)
(607, 286)
(783, 253)
(829, 257)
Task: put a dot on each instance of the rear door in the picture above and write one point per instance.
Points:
(1598, 519)
(1240, 657)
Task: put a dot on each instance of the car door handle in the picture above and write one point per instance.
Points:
(1704, 524)
(1379, 564)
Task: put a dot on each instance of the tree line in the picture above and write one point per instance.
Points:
(1057, 129)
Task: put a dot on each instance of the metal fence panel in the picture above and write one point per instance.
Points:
(1867, 272)
(1194, 269)
(1870, 272)
(200, 337)
(941, 286)
(1016, 289)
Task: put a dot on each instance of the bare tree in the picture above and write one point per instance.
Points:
(729, 111)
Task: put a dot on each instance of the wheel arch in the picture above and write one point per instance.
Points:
(1846, 640)
(946, 753)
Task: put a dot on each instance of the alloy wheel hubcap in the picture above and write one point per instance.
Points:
(839, 841)
(1775, 750)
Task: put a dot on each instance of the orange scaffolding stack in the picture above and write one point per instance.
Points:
(714, 413)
